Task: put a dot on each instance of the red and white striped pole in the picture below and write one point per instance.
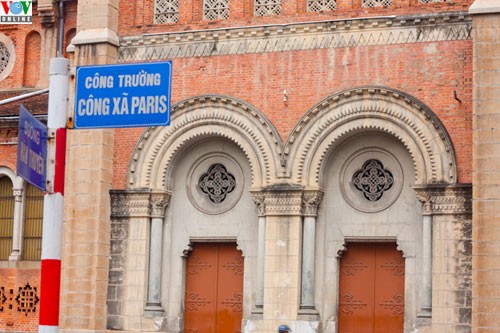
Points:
(50, 284)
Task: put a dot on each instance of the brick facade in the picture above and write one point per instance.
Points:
(19, 299)
(412, 56)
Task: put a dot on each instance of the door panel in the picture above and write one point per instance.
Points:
(214, 289)
(371, 289)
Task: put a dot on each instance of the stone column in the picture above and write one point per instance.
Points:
(283, 209)
(89, 175)
(159, 202)
(426, 287)
(17, 237)
(261, 249)
(485, 165)
(311, 201)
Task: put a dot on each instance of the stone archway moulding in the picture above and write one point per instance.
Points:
(320, 130)
(370, 109)
(206, 117)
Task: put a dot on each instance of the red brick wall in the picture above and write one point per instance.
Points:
(19, 305)
(8, 154)
(430, 72)
(18, 33)
(31, 59)
(137, 16)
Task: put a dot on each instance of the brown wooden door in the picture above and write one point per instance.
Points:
(214, 289)
(371, 289)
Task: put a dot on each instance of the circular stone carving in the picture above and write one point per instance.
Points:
(371, 180)
(7, 56)
(215, 183)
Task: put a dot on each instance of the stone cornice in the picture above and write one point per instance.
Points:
(138, 203)
(129, 204)
(298, 36)
(445, 199)
(283, 200)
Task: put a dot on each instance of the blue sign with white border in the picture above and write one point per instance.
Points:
(31, 149)
(124, 95)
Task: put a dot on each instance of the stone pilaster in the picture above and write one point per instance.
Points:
(486, 162)
(283, 211)
(86, 233)
(446, 256)
(126, 206)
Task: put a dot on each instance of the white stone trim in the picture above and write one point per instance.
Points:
(330, 34)
(199, 118)
(389, 111)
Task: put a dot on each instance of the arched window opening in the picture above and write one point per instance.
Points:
(32, 59)
(6, 217)
(32, 237)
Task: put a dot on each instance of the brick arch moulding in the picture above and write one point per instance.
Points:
(370, 109)
(199, 118)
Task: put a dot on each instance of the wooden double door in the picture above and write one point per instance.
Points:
(371, 289)
(214, 289)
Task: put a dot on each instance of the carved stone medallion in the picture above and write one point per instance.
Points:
(215, 183)
(371, 180)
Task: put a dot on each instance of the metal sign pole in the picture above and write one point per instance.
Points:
(54, 196)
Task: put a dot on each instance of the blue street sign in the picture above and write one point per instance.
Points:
(31, 149)
(125, 95)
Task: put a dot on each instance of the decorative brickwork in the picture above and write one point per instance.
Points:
(19, 300)
(267, 7)
(294, 37)
(166, 11)
(215, 9)
(376, 3)
(321, 5)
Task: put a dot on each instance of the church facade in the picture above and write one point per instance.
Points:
(317, 172)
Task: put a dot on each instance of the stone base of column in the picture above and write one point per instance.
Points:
(425, 313)
(308, 313)
(154, 310)
(258, 309)
(15, 256)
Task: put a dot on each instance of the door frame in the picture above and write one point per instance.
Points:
(187, 252)
(408, 296)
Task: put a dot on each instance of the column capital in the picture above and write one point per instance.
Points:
(18, 194)
(311, 200)
(445, 199)
(258, 200)
(158, 202)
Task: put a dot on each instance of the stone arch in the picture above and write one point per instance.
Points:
(202, 117)
(17, 182)
(375, 109)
